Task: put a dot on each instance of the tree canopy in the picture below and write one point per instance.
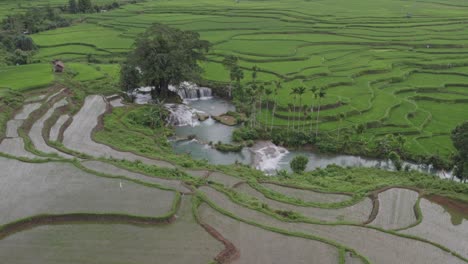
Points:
(164, 56)
(460, 141)
(299, 163)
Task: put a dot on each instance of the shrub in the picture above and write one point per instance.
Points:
(245, 133)
(396, 160)
(299, 163)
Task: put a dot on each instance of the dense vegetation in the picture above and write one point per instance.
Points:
(376, 76)
(163, 56)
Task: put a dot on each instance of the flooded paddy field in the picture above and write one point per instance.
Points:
(180, 242)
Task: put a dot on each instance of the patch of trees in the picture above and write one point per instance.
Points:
(87, 6)
(299, 163)
(460, 141)
(163, 56)
(16, 47)
(35, 20)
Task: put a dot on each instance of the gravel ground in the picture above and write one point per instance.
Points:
(358, 213)
(437, 227)
(257, 245)
(28, 189)
(378, 246)
(307, 195)
(181, 242)
(111, 169)
(78, 135)
(35, 134)
(55, 129)
(396, 208)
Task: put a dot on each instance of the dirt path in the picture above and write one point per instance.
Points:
(28, 189)
(378, 246)
(78, 135)
(396, 208)
(358, 213)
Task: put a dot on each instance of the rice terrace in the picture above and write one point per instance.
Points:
(233, 131)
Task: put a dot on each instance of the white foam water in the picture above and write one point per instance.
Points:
(267, 156)
(182, 115)
(190, 91)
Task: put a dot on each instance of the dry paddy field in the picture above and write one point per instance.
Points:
(73, 208)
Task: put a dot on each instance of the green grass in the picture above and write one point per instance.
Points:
(364, 54)
(26, 76)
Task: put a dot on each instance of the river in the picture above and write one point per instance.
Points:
(264, 156)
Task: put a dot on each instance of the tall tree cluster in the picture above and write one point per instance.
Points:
(460, 141)
(164, 56)
(80, 6)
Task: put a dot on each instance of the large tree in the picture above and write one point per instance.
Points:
(85, 6)
(72, 6)
(460, 141)
(167, 56)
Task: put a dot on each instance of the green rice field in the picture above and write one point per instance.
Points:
(394, 66)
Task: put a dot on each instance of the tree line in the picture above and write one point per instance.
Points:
(87, 6)
(16, 47)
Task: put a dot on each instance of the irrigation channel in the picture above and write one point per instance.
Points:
(194, 137)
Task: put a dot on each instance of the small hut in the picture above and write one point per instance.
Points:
(59, 66)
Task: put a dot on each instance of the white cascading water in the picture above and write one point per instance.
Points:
(267, 156)
(190, 91)
(141, 95)
(182, 115)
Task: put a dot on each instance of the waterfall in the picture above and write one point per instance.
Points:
(190, 91)
(267, 156)
(141, 95)
(182, 115)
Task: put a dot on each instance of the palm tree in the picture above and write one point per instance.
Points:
(277, 88)
(260, 93)
(300, 91)
(290, 106)
(294, 91)
(253, 92)
(313, 89)
(268, 92)
(321, 94)
(341, 116)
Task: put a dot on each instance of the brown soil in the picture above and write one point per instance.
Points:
(457, 205)
(40, 220)
(226, 120)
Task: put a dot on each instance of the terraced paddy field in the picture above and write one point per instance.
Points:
(83, 182)
(67, 197)
(393, 66)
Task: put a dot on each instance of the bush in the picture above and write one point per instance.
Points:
(299, 163)
(228, 147)
(245, 133)
(396, 160)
